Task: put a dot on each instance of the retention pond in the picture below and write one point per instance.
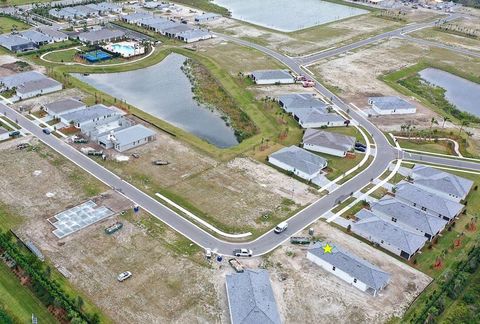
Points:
(462, 93)
(164, 91)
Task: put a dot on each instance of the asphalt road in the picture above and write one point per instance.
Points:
(307, 60)
(384, 155)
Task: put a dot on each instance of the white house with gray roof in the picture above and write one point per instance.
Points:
(89, 118)
(327, 142)
(300, 162)
(389, 236)
(16, 43)
(316, 118)
(195, 35)
(251, 299)
(207, 16)
(54, 34)
(350, 268)
(441, 183)
(297, 101)
(272, 77)
(127, 138)
(36, 37)
(37, 87)
(411, 218)
(428, 202)
(391, 105)
(101, 36)
(63, 106)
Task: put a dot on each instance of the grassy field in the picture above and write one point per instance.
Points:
(441, 147)
(7, 24)
(19, 301)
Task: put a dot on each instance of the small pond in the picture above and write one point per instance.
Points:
(462, 93)
(288, 15)
(164, 91)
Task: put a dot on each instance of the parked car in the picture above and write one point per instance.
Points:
(136, 155)
(360, 149)
(124, 276)
(281, 227)
(46, 131)
(358, 144)
(14, 133)
(208, 253)
(242, 252)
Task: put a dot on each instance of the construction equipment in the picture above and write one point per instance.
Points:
(236, 265)
(114, 228)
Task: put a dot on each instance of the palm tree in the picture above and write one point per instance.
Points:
(464, 123)
(445, 119)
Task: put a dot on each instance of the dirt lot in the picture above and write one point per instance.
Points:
(236, 193)
(7, 66)
(355, 75)
(35, 103)
(313, 295)
(316, 38)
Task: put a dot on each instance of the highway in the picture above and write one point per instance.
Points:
(385, 153)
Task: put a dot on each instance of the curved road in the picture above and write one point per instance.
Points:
(385, 153)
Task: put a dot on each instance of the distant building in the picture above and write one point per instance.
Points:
(136, 17)
(441, 183)
(208, 16)
(411, 218)
(36, 37)
(431, 203)
(350, 268)
(328, 142)
(391, 237)
(302, 163)
(272, 77)
(301, 101)
(195, 35)
(127, 138)
(391, 106)
(54, 34)
(63, 106)
(316, 118)
(101, 36)
(251, 299)
(38, 87)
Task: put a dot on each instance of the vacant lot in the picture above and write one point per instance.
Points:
(241, 194)
(316, 38)
(7, 25)
(355, 76)
(307, 292)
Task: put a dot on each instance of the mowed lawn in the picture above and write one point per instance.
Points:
(440, 147)
(7, 23)
(19, 301)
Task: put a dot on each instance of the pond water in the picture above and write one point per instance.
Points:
(164, 91)
(462, 93)
(288, 15)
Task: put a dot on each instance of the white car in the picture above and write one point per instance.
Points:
(281, 227)
(242, 252)
(124, 276)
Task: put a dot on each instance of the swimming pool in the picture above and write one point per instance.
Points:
(126, 49)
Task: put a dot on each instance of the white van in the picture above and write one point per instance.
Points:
(281, 227)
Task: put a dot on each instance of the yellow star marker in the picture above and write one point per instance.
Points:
(327, 248)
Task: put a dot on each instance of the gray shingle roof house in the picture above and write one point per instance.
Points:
(207, 16)
(389, 236)
(354, 270)
(56, 35)
(391, 105)
(444, 184)
(327, 142)
(194, 35)
(251, 299)
(291, 102)
(392, 209)
(63, 106)
(38, 87)
(14, 80)
(272, 77)
(316, 118)
(37, 37)
(127, 138)
(427, 201)
(100, 36)
(302, 163)
(16, 43)
(96, 114)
